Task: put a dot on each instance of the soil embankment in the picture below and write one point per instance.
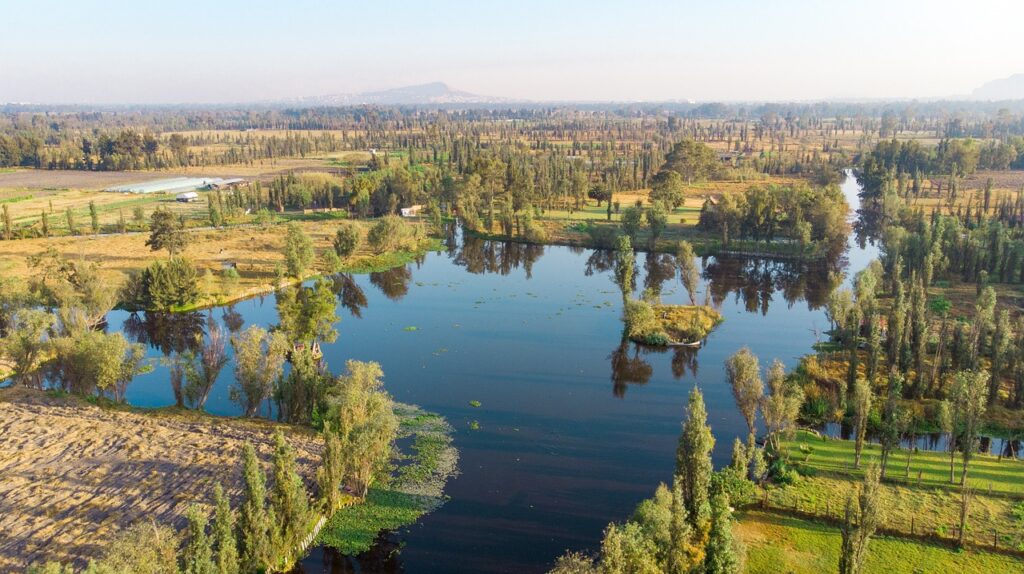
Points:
(73, 474)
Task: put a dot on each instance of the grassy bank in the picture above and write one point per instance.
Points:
(919, 502)
(416, 487)
(256, 252)
(777, 543)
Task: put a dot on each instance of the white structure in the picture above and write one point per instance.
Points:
(412, 211)
(187, 197)
(176, 185)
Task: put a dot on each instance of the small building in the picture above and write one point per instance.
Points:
(228, 183)
(187, 197)
(411, 211)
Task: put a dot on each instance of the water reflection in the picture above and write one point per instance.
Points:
(659, 268)
(996, 446)
(233, 320)
(393, 283)
(501, 257)
(167, 332)
(755, 281)
(381, 558)
(628, 367)
(350, 294)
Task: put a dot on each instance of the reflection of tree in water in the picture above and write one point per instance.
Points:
(501, 257)
(233, 320)
(628, 368)
(659, 268)
(349, 293)
(600, 260)
(383, 558)
(754, 280)
(393, 283)
(168, 332)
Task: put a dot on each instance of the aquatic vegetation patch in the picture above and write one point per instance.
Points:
(669, 324)
(415, 488)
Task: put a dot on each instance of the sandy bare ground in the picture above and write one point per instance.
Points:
(76, 179)
(73, 474)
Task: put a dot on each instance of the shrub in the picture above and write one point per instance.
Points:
(346, 239)
(603, 236)
(166, 285)
(391, 233)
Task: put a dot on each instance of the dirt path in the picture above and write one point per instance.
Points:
(72, 474)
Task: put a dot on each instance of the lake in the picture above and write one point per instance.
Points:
(575, 427)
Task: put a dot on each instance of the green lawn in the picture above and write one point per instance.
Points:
(786, 545)
(827, 478)
(836, 457)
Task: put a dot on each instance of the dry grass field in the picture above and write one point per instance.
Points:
(72, 474)
(257, 251)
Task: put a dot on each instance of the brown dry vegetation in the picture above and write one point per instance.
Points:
(72, 474)
(257, 252)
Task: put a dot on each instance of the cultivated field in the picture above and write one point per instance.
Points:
(72, 475)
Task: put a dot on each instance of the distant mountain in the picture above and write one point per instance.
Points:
(1011, 88)
(437, 93)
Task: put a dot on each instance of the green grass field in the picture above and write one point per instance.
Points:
(931, 507)
(782, 544)
(822, 455)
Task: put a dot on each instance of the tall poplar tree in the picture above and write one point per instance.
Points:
(693, 464)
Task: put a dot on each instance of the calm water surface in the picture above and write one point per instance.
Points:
(575, 428)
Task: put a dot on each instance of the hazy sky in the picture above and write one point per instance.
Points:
(91, 51)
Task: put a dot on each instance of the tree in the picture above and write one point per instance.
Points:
(390, 233)
(224, 542)
(625, 266)
(966, 494)
(25, 345)
(744, 374)
(678, 559)
(197, 556)
(308, 314)
(693, 463)
(331, 472)
(144, 548)
(668, 187)
(861, 412)
(781, 406)
(288, 496)
(8, 225)
(625, 550)
(657, 220)
(168, 285)
(632, 221)
(298, 251)
(202, 372)
(862, 517)
(90, 361)
(688, 272)
(70, 218)
(889, 437)
(259, 361)
(362, 411)
(346, 239)
(721, 556)
(94, 218)
(970, 393)
(692, 160)
(254, 522)
(166, 231)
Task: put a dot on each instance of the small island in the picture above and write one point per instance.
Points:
(662, 325)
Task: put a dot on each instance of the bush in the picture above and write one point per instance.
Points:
(391, 233)
(166, 285)
(346, 239)
(733, 482)
(603, 236)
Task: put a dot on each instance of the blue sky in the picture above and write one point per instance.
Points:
(92, 51)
